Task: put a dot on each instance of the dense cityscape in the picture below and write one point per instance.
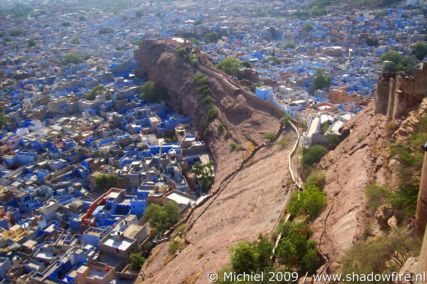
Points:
(97, 168)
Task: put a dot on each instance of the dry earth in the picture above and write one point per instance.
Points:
(248, 206)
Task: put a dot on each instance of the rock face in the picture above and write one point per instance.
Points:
(243, 116)
(363, 158)
(251, 201)
(357, 162)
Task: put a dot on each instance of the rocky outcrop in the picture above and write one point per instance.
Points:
(244, 117)
(396, 96)
(247, 202)
(357, 162)
(363, 158)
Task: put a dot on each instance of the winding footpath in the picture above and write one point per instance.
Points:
(296, 179)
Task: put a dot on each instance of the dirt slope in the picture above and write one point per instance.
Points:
(356, 163)
(250, 203)
(248, 206)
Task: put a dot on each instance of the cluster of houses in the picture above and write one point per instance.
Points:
(71, 112)
(65, 126)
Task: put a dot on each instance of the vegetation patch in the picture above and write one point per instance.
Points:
(382, 255)
(152, 91)
(104, 182)
(162, 218)
(230, 65)
(73, 58)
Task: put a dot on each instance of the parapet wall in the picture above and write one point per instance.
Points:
(396, 96)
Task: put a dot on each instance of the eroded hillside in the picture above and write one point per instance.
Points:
(252, 180)
(366, 166)
(244, 118)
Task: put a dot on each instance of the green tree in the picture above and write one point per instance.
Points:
(153, 92)
(317, 11)
(31, 42)
(313, 154)
(212, 37)
(162, 218)
(321, 80)
(104, 182)
(308, 27)
(246, 64)
(136, 260)
(419, 50)
(296, 250)
(309, 202)
(371, 41)
(98, 90)
(205, 175)
(252, 257)
(230, 65)
(395, 63)
(106, 30)
(73, 58)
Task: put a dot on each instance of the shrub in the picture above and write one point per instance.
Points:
(200, 80)
(296, 249)
(104, 182)
(100, 89)
(309, 202)
(203, 90)
(383, 255)
(73, 58)
(176, 245)
(106, 30)
(230, 65)
(235, 146)
(405, 199)
(136, 260)
(270, 136)
(206, 100)
(313, 155)
(252, 257)
(227, 134)
(377, 196)
(316, 178)
(419, 50)
(181, 51)
(211, 114)
(321, 80)
(153, 92)
(16, 32)
(285, 120)
(162, 217)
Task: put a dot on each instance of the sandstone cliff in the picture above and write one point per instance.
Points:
(244, 117)
(363, 158)
(249, 201)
